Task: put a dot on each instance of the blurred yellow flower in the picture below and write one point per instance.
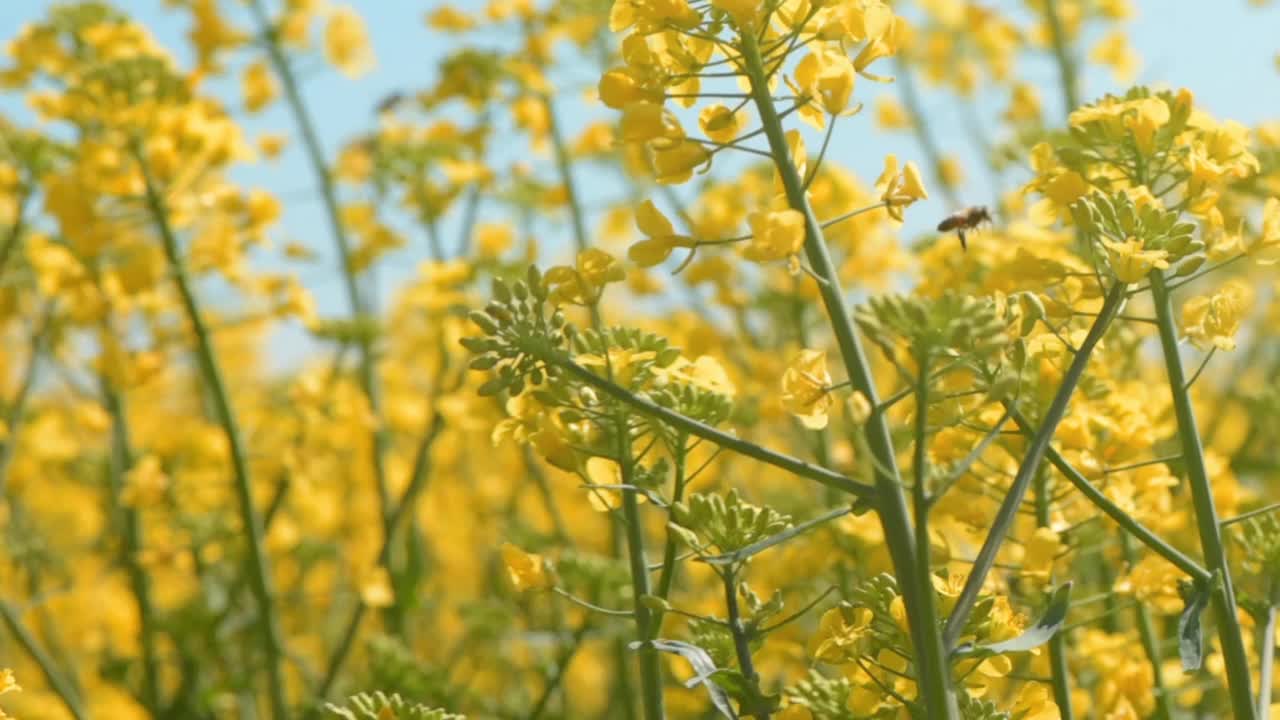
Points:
(526, 571)
(1212, 321)
(346, 43)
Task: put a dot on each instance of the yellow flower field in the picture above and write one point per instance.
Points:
(588, 378)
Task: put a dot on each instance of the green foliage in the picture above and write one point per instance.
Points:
(726, 523)
(824, 696)
(381, 706)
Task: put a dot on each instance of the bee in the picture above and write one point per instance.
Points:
(964, 221)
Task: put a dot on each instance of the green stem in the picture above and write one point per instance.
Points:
(1266, 666)
(259, 572)
(333, 214)
(696, 428)
(1150, 643)
(1040, 442)
(1109, 508)
(562, 666)
(1062, 53)
(667, 576)
(891, 503)
(920, 127)
(565, 166)
(741, 643)
(650, 665)
(417, 482)
(1059, 672)
(1234, 655)
(139, 582)
(60, 685)
(18, 406)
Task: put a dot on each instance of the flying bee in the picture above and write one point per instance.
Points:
(964, 221)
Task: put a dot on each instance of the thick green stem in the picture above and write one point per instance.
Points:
(1067, 73)
(139, 581)
(1150, 643)
(1039, 444)
(57, 682)
(1230, 636)
(211, 372)
(891, 503)
(650, 665)
(1060, 675)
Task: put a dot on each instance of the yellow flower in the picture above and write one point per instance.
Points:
(900, 189)
(720, 123)
(450, 19)
(583, 283)
(603, 471)
(8, 683)
(1115, 51)
(660, 236)
(527, 571)
(805, 388)
(827, 76)
(1211, 321)
(258, 86)
(1040, 552)
(674, 162)
(1130, 262)
(891, 115)
(795, 712)
(1266, 250)
(376, 590)
(346, 43)
(843, 635)
(775, 235)
(745, 13)
(1153, 580)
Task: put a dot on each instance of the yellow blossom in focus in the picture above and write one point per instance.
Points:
(660, 236)
(900, 189)
(806, 388)
(583, 283)
(603, 471)
(1131, 262)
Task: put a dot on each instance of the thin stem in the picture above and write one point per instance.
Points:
(139, 582)
(1040, 442)
(562, 666)
(417, 482)
(741, 642)
(935, 681)
(666, 577)
(693, 427)
(565, 166)
(1251, 514)
(1060, 674)
(210, 370)
(1062, 53)
(1146, 631)
(1267, 663)
(920, 127)
(1110, 509)
(1234, 655)
(52, 675)
(356, 301)
(18, 405)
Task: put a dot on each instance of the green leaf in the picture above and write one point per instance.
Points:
(1190, 640)
(1035, 636)
(702, 664)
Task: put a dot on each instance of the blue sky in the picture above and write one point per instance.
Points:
(1223, 50)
